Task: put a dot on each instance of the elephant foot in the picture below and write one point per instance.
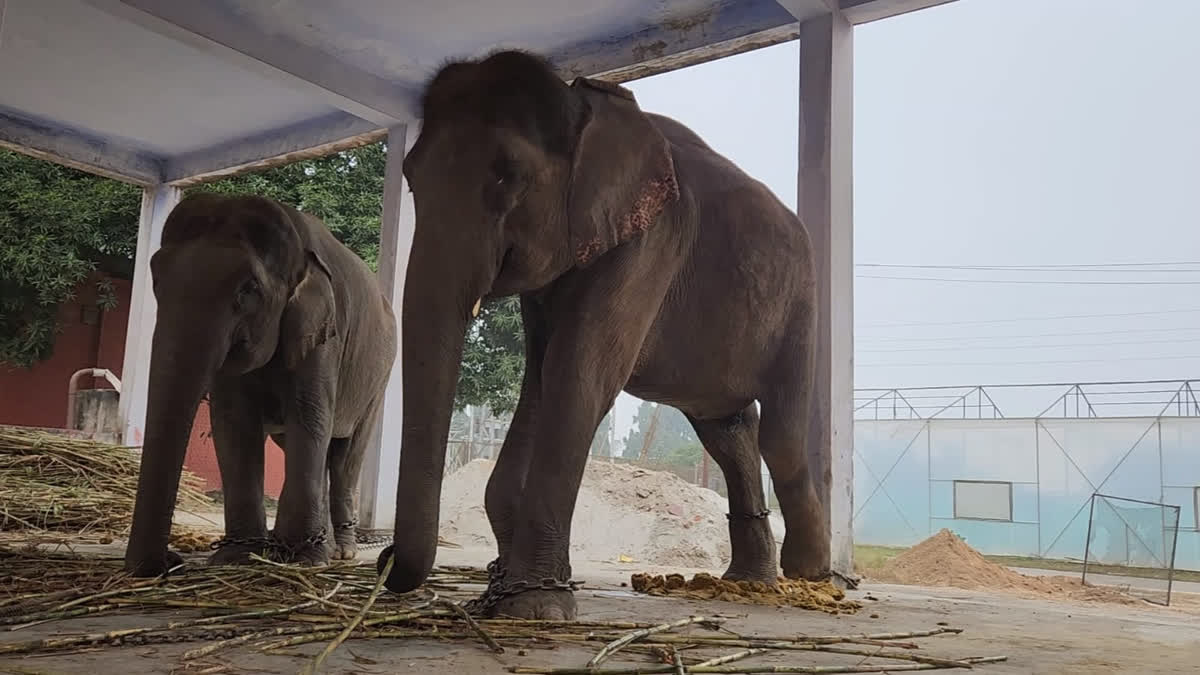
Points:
(313, 550)
(759, 573)
(238, 554)
(537, 604)
(810, 562)
(154, 566)
(345, 548)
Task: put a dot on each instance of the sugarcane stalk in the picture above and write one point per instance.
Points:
(483, 634)
(614, 646)
(312, 667)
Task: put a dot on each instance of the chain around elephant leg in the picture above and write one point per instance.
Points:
(545, 598)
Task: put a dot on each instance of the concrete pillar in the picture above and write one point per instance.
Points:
(381, 466)
(825, 204)
(157, 202)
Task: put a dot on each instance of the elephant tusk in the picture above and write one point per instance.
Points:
(475, 310)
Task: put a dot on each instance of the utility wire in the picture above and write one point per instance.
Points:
(1099, 267)
(1058, 317)
(1062, 346)
(964, 338)
(948, 364)
(1040, 282)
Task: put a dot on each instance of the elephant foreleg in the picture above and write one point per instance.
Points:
(238, 437)
(596, 339)
(791, 451)
(303, 526)
(733, 443)
(507, 481)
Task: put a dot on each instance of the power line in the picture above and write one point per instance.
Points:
(1098, 267)
(1062, 346)
(1042, 282)
(1022, 363)
(964, 338)
(1059, 317)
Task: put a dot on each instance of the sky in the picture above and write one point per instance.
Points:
(997, 133)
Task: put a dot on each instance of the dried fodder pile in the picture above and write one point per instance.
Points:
(946, 560)
(275, 609)
(68, 485)
(821, 596)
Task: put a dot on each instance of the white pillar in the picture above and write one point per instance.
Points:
(825, 204)
(157, 202)
(381, 466)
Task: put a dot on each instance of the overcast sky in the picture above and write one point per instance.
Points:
(998, 133)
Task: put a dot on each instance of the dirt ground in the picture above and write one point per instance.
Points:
(631, 521)
(1038, 636)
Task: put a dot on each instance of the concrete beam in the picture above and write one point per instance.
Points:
(340, 131)
(381, 465)
(204, 26)
(825, 204)
(864, 11)
(717, 31)
(78, 150)
(157, 203)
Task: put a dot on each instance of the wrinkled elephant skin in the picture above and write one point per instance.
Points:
(646, 262)
(286, 330)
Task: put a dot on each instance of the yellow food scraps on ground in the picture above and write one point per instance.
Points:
(822, 596)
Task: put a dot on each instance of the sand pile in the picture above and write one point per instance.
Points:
(646, 516)
(946, 560)
(822, 596)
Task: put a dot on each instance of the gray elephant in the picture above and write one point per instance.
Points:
(288, 332)
(644, 261)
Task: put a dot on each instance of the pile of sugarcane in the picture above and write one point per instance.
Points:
(55, 483)
(275, 608)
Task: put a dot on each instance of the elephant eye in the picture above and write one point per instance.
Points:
(502, 170)
(247, 291)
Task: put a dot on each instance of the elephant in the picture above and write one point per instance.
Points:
(289, 334)
(645, 261)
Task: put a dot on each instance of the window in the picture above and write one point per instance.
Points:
(983, 500)
(1196, 507)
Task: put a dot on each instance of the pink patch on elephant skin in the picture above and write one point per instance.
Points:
(646, 209)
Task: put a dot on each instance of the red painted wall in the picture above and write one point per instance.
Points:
(92, 338)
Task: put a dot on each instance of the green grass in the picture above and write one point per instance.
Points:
(867, 558)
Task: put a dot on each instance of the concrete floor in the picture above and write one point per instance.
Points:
(1037, 636)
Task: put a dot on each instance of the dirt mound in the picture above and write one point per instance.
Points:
(648, 516)
(822, 596)
(946, 560)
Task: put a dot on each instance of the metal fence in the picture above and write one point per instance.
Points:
(949, 458)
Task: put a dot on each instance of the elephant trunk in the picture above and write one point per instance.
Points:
(434, 320)
(181, 372)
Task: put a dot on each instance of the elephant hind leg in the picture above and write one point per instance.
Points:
(792, 453)
(733, 444)
(345, 464)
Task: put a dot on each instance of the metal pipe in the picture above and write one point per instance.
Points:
(73, 387)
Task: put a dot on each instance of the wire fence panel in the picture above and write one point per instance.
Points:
(1131, 544)
(1021, 487)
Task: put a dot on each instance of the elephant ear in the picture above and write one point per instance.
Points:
(308, 319)
(623, 174)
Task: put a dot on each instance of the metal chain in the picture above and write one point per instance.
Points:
(498, 589)
(364, 539)
(749, 516)
(282, 550)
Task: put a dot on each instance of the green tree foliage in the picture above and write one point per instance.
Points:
(57, 225)
(344, 189)
(673, 431)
